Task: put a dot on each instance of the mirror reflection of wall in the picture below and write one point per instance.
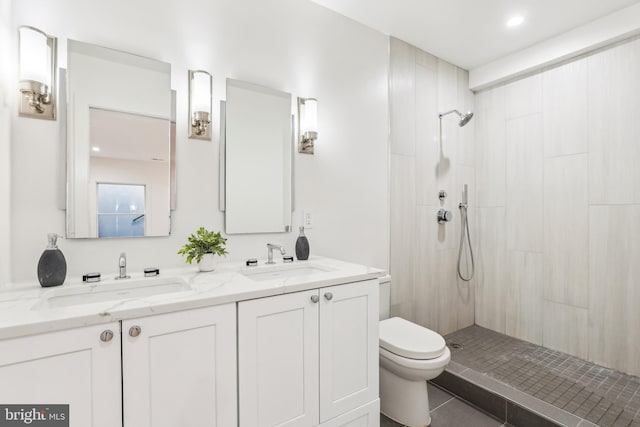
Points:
(258, 159)
(119, 132)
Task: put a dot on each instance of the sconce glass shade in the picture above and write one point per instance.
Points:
(37, 73)
(200, 104)
(307, 124)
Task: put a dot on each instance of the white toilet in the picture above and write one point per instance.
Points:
(409, 356)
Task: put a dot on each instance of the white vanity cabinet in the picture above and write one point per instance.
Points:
(78, 367)
(179, 369)
(310, 358)
(168, 370)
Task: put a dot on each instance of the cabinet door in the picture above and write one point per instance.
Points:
(278, 360)
(181, 369)
(348, 347)
(364, 416)
(73, 367)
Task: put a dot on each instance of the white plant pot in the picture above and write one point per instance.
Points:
(207, 263)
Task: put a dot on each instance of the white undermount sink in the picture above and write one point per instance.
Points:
(127, 289)
(282, 271)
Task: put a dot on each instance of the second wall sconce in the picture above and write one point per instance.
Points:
(307, 124)
(37, 73)
(200, 104)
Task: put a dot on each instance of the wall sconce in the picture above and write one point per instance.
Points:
(307, 124)
(37, 73)
(200, 104)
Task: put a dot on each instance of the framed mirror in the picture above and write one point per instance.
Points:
(258, 152)
(119, 143)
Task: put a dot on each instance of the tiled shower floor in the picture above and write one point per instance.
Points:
(600, 395)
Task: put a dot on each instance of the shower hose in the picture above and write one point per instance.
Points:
(465, 228)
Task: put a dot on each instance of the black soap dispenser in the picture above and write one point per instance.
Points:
(302, 246)
(52, 267)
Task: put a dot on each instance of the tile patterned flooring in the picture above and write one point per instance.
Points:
(600, 395)
(449, 411)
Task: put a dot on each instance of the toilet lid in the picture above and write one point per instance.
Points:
(406, 339)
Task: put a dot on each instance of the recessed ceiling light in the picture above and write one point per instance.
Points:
(515, 21)
(96, 149)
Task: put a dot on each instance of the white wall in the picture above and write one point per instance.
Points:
(559, 206)
(290, 45)
(6, 71)
(426, 288)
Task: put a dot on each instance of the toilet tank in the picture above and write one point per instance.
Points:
(385, 297)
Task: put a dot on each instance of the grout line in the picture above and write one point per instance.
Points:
(443, 403)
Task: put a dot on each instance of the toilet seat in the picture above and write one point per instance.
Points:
(408, 340)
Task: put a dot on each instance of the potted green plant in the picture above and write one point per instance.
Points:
(203, 246)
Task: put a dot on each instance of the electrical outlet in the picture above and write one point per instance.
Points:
(307, 219)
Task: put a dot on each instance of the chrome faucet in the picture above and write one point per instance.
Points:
(271, 247)
(122, 267)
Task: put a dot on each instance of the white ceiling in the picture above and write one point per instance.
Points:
(471, 33)
(128, 136)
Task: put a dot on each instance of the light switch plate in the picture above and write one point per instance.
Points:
(307, 219)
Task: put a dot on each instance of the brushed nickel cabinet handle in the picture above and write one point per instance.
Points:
(106, 335)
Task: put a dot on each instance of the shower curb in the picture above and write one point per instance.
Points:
(506, 403)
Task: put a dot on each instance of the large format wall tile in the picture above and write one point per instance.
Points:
(402, 101)
(614, 134)
(614, 314)
(447, 101)
(490, 266)
(565, 109)
(448, 294)
(427, 134)
(565, 328)
(524, 96)
(490, 152)
(566, 230)
(426, 295)
(524, 304)
(466, 134)
(403, 232)
(524, 183)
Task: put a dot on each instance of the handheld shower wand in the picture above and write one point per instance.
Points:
(465, 227)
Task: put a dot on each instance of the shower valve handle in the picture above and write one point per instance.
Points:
(444, 216)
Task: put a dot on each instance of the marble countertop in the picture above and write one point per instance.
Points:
(31, 309)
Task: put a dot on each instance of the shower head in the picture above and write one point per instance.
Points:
(464, 118)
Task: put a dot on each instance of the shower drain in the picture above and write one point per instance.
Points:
(455, 345)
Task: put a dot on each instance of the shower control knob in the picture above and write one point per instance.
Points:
(444, 216)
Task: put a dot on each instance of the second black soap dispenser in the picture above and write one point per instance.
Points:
(52, 267)
(302, 246)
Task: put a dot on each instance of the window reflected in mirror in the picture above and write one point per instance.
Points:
(121, 210)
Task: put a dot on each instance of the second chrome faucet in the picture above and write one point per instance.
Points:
(122, 267)
(270, 248)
